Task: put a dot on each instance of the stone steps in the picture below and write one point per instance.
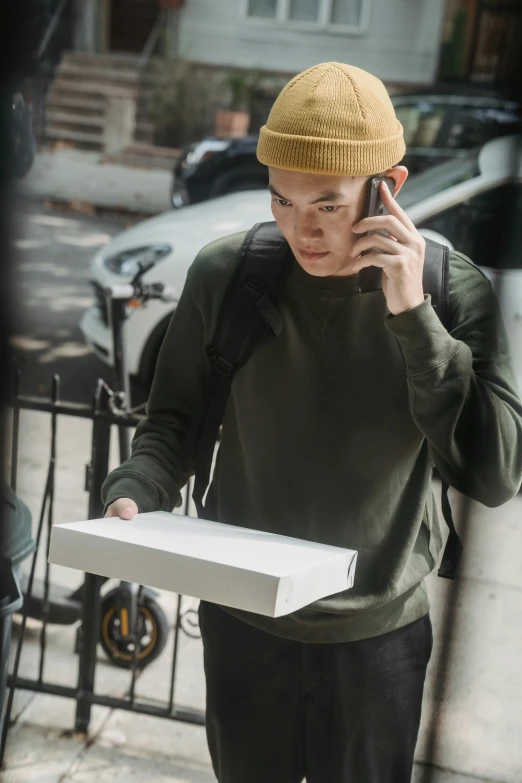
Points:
(75, 107)
(56, 117)
(83, 138)
(113, 60)
(68, 101)
(102, 75)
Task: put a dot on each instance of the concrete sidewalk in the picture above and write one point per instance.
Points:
(72, 175)
(481, 720)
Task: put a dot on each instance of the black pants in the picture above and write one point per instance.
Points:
(279, 710)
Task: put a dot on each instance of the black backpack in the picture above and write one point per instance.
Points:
(248, 310)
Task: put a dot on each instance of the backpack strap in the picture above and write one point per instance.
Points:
(453, 548)
(435, 279)
(246, 314)
(436, 283)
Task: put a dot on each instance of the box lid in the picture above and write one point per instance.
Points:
(216, 542)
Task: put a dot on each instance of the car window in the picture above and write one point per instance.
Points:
(475, 125)
(485, 227)
(438, 178)
(421, 121)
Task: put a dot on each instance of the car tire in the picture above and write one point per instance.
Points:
(242, 178)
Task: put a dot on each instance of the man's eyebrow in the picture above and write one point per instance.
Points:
(274, 192)
(331, 195)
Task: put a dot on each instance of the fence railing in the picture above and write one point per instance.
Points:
(104, 415)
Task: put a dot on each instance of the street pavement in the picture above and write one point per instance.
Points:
(52, 250)
(51, 255)
(474, 702)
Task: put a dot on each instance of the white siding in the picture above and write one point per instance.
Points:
(401, 44)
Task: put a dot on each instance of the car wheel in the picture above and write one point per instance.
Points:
(247, 178)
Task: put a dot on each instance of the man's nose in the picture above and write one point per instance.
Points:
(306, 228)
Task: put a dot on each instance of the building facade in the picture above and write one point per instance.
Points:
(397, 40)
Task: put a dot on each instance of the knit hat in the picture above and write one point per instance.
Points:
(332, 119)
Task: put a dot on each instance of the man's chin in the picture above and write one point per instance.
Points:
(318, 269)
(316, 272)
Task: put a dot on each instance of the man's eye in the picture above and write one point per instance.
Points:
(282, 202)
(330, 209)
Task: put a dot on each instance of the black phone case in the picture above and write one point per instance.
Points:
(370, 278)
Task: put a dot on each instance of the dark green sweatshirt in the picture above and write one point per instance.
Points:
(331, 430)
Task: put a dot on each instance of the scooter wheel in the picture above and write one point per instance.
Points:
(153, 631)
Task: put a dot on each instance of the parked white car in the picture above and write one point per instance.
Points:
(471, 204)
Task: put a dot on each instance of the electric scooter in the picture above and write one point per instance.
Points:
(127, 606)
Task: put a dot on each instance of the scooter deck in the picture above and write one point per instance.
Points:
(64, 608)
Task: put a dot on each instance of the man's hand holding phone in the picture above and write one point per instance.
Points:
(400, 255)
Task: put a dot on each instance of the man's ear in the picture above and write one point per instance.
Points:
(399, 174)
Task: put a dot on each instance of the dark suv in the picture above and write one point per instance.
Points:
(437, 127)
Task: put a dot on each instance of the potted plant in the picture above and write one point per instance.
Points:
(182, 103)
(233, 122)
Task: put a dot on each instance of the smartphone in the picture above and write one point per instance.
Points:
(370, 278)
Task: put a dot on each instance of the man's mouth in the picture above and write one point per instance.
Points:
(308, 256)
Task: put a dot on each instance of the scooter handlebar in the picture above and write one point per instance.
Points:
(169, 294)
(120, 291)
(145, 292)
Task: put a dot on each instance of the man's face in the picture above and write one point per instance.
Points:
(315, 214)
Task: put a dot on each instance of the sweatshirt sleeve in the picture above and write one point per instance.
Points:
(463, 394)
(159, 466)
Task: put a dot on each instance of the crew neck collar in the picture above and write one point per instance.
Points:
(328, 285)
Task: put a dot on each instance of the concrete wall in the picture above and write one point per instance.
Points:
(401, 43)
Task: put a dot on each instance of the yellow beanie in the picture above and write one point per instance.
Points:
(332, 119)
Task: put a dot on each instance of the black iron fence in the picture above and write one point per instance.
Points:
(105, 413)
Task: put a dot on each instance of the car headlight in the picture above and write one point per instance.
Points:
(126, 262)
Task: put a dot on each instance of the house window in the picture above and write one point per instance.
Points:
(333, 15)
(304, 10)
(346, 12)
(263, 9)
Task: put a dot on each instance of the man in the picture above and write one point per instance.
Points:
(330, 435)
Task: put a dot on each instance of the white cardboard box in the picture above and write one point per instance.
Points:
(233, 566)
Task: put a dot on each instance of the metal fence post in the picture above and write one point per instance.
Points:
(99, 468)
(116, 309)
